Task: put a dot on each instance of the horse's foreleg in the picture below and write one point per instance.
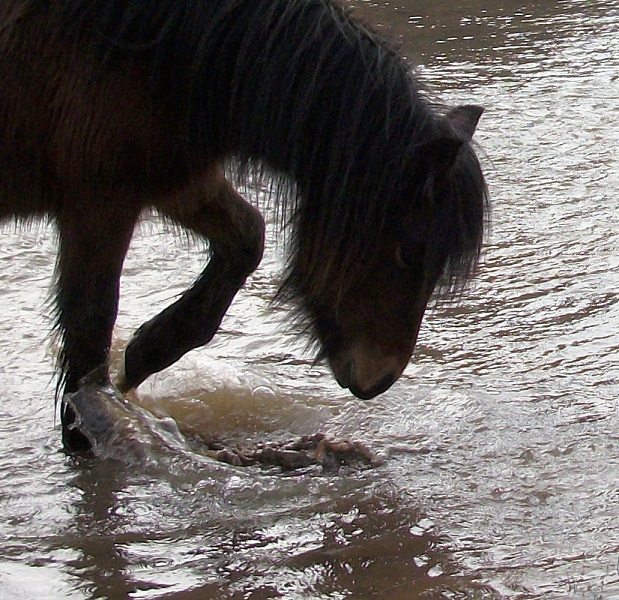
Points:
(92, 249)
(235, 231)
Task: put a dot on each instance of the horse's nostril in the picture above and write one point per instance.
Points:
(343, 374)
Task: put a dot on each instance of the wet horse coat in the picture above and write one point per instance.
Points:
(110, 107)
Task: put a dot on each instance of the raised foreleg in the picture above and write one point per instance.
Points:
(235, 231)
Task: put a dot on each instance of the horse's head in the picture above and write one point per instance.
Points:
(367, 330)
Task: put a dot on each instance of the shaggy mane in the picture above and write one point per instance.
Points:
(308, 93)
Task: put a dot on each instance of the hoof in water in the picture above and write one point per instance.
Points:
(98, 418)
(73, 440)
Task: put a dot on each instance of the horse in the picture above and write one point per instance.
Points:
(109, 108)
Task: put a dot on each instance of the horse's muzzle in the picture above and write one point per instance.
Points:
(366, 377)
(382, 386)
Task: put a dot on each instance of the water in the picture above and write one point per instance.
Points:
(502, 437)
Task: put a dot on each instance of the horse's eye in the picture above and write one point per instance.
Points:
(407, 255)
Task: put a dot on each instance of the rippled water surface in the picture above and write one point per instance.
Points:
(501, 439)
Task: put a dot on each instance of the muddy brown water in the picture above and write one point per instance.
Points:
(501, 441)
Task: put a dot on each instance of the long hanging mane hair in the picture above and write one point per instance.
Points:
(304, 90)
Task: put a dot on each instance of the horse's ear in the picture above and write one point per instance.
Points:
(464, 120)
(440, 153)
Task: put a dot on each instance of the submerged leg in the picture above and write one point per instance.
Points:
(92, 250)
(235, 231)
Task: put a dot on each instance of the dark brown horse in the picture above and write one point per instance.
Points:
(111, 107)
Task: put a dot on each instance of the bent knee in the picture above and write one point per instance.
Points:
(236, 230)
(252, 244)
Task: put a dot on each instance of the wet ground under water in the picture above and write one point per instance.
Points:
(500, 443)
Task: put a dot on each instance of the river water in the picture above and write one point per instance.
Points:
(501, 440)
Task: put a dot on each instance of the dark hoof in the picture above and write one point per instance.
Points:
(73, 440)
(83, 411)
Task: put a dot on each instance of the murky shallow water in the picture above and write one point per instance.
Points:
(502, 438)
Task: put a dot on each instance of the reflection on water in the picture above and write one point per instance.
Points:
(502, 437)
